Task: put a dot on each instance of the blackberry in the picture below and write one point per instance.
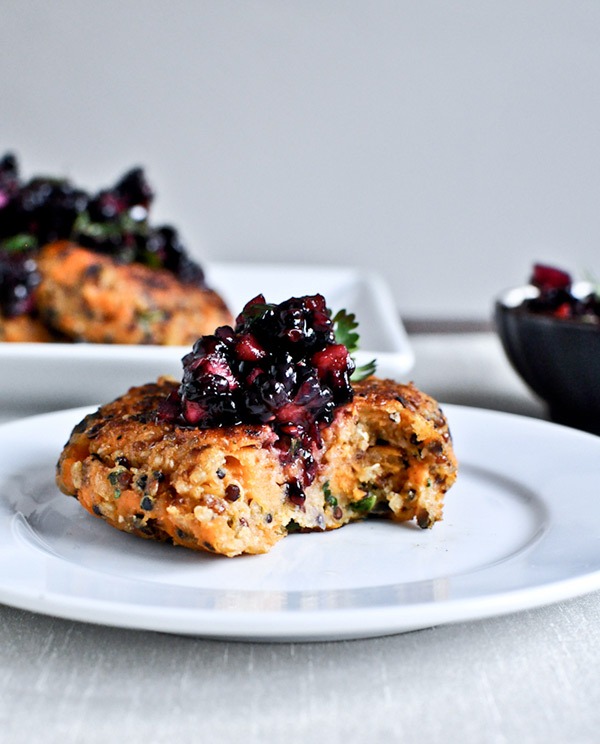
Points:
(9, 178)
(164, 248)
(18, 275)
(298, 324)
(48, 208)
(133, 189)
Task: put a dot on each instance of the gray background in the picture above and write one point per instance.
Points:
(446, 144)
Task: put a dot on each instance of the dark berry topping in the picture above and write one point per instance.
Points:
(18, 275)
(281, 365)
(43, 207)
(133, 189)
(9, 179)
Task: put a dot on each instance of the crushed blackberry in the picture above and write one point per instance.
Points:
(9, 178)
(18, 275)
(113, 221)
(280, 365)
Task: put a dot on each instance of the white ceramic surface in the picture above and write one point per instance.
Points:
(43, 377)
(520, 530)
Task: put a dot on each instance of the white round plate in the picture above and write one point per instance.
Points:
(520, 530)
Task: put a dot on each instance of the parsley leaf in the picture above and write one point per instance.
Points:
(329, 497)
(364, 371)
(344, 326)
(257, 310)
(365, 504)
(18, 243)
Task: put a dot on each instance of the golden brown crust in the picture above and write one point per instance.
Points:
(24, 329)
(395, 447)
(91, 297)
(223, 490)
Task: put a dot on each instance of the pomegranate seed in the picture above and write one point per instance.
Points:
(248, 349)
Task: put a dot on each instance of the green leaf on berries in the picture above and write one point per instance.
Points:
(18, 243)
(344, 326)
(364, 371)
(256, 311)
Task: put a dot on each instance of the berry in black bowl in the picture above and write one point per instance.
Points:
(550, 331)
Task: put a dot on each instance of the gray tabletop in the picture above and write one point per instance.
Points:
(527, 677)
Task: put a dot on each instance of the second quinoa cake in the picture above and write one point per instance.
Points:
(90, 297)
(91, 267)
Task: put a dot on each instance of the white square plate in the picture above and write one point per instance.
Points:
(43, 377)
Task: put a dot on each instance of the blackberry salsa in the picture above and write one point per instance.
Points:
(113, 221)
(286, 365)
(559, 296)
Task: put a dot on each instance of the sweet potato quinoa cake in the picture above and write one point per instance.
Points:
(91, 297)
(81, 267)
(265, 435)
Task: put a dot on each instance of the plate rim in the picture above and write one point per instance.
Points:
(117, 366)
(381, 296)
(304, 625)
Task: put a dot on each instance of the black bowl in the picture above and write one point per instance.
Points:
(559, 359)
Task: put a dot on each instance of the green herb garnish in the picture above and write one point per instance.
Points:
(364, 371)
(97, 230)
(365, 504)
(18, 243)
(257, 310)
(345, 325)
(329, 497)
